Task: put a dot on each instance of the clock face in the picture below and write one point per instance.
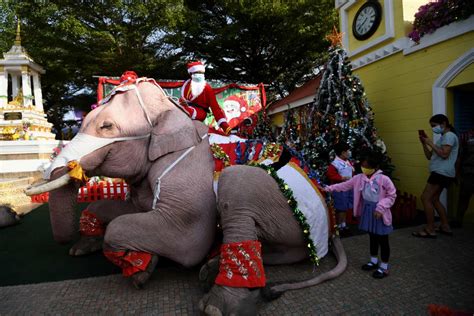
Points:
(367, 20)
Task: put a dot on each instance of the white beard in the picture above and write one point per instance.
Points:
(197, 87)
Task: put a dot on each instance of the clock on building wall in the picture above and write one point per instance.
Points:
(367, 20)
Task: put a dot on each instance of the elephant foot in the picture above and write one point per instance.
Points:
(140, 278)
(86, 245)
(208, 274)
(222, 300)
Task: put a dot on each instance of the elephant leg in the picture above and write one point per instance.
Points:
(93, 222)
(271, 255)
(222, 300)
(141, 277)
(240, 268)
(208, 273)
(251, 208)
(136, 264)
(139, 265)
(132, 241)
(241, 265)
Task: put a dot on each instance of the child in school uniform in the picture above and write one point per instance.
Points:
(339, 171)
(374, 195)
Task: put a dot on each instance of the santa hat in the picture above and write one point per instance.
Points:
(129, 75)
(241, 102)
(195, 66)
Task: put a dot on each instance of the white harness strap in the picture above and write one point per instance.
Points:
(142, 105)
(156, 191)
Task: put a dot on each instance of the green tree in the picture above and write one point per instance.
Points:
(262, 128)
(289, 134)
(276, 42)
(75, 40)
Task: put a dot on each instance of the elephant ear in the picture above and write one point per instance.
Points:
(173, 132)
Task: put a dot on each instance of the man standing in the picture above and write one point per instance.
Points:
(197, 97)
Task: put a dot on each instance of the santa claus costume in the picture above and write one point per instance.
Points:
(197, 97)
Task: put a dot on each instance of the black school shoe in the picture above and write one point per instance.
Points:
(380, 273)
(369, 266)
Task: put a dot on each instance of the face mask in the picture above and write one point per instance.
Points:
(437, 129)
(349, 154)
(198, 77)
(367, 171)
(81, 145)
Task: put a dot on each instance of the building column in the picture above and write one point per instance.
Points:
(37, 92)
(26, 87)
(3, 87)
(15, 85)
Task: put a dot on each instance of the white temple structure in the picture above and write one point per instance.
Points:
(21, 101)
(26, 141)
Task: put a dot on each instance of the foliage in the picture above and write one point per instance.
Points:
(75, 40)
(241, 41)
(275, 42)
(289, 134)
(438, 13)
(262, 129)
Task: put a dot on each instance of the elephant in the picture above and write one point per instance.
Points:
(8, 216)
(142, 136)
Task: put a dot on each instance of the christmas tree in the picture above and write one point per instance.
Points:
(262, 129)
(289, 134)
(341, 113)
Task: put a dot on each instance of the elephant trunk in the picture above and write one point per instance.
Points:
(271, 292)
(62, 201)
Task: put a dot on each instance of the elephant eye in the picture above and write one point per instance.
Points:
(106, 125)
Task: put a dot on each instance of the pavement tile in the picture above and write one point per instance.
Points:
(422, 272)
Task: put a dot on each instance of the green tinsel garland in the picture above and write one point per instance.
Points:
(299, 216)
(271, 150)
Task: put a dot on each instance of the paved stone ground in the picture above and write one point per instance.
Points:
(424, 271)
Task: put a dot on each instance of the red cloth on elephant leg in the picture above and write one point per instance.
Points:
(241, 265)
(130, 261)
(90, 225)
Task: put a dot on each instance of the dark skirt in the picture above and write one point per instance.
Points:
(343, 200)
(369, 223)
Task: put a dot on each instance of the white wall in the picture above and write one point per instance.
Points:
(410, 7)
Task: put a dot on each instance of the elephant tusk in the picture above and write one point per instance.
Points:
(48, 186)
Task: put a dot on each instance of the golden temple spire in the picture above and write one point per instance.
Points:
(18, 35)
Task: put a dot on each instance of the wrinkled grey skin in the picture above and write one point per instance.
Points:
(182, 226)
(8, 216)
(250, 204)
(250, 207)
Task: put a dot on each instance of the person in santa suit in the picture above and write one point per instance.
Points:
(129, 75)
(197, 97)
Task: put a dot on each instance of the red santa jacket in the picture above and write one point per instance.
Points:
(333, 174)
(198, 106)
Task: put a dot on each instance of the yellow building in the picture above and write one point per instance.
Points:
(407, 83)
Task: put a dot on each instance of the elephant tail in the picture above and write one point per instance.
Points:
(273, 291)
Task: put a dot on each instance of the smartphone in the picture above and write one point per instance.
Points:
(422, 133)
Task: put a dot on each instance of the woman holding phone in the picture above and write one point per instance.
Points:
(442, 156)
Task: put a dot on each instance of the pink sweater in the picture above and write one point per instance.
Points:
(387, 195)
